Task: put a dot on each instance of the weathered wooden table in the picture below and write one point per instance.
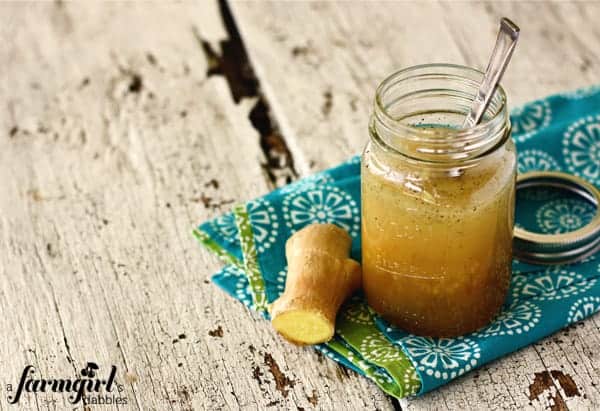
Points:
(124, 125)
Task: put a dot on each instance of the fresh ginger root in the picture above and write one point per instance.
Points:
(320, 277)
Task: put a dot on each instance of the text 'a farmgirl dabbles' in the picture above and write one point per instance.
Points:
(90, 388)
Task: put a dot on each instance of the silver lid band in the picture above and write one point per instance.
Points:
(560, 248)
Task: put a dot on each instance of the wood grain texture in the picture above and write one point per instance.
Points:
(320, 62)
(114, 143)
(118, 133)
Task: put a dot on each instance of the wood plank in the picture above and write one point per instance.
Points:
(320, 63)
(114, 143)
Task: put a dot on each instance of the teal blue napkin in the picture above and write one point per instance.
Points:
(561, 132)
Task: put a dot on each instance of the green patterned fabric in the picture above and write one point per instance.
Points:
(561, 132)
(386, 364)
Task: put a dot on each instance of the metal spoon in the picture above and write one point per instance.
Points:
(505, 45)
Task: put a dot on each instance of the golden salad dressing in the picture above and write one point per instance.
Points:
(437, 235)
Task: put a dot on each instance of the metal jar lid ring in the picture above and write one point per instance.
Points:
(561, 248)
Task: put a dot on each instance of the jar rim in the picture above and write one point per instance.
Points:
(428, 135)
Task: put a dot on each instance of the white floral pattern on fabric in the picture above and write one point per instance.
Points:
(232, 271)
(588, 259)
(518, 319)
(378, 349)
(564, 215)
(242, 291)
(554, 284)
(326, 351)
(443, 357)
(581, 148)
(248, 248)
(582, 92)
(357, 313)
(225, 226)
(263, 220)
(381, 376)
(325, 204)
(582, 308)
(529, 119)
(411, 380)
(306, 182)
(280, 280)
(250, 258)
(536, 160)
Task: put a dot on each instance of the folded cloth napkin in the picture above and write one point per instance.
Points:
(561, 132)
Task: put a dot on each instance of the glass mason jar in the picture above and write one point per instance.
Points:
(437, 203)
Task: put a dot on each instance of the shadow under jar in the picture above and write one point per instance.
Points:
(437, 203)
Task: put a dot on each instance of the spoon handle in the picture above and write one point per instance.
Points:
(505, 45)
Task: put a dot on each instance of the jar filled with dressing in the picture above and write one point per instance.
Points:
(437, 203)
